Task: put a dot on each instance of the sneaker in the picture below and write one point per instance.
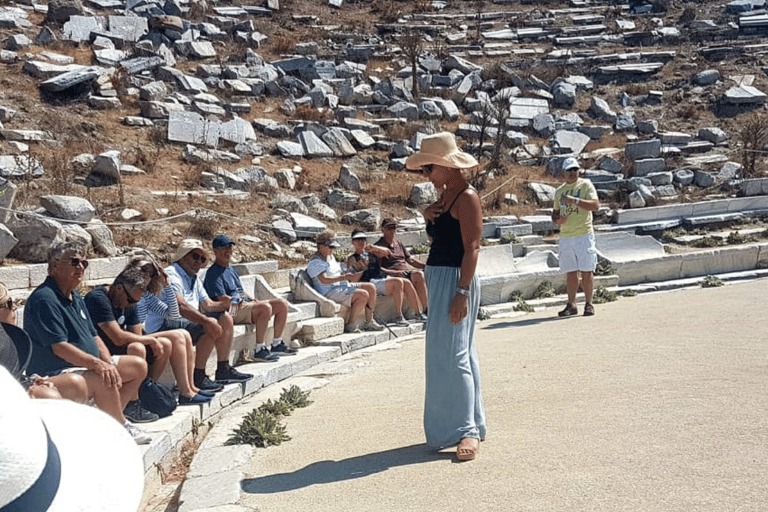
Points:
(569, 310)
(589, 310)
(283, 349)
(401, 322)
(207, 385)
(351, 328)
(230, 376)
(138, 414)
(206, 393)
(265, 356)
(421, 317)
(137, 434)
(373, 325)
(195, 400)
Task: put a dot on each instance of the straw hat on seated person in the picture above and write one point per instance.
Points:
(186, 246)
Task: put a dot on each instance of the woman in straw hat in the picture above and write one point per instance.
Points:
(453, 410)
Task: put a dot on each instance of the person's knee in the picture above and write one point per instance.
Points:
(137, 350)
(225, 321)
(262, 309)
(417, 276)
(279, 307)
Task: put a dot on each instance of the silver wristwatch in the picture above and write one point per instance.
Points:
(462, 291)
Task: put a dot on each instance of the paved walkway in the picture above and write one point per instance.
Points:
(658, 403)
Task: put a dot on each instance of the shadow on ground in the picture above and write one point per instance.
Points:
(328, 471)
(523, 323)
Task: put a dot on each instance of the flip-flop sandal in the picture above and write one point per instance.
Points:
(463, 453)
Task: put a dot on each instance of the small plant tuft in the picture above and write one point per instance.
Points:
(483, 314)
(295, 397)
(523, 306)
(259, 428)
(515, 296)
(508, 238)
(603, 295)
(278, 408)
(420, 249)
(628, 293)
(711, 282)
(544, 290)
(604, 268)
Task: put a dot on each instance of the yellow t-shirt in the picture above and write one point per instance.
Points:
(579, 220)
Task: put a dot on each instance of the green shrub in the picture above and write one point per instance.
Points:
(604, 268)
(295, 397)
(603, 295)
(670, 234)
(711, 282)
(420, 249)
(736, 238)
(508, 238)
(259, 428)
(515, 296)
(279, 408)
(523, 306)
(707, 241)
(628, 293)
(544, 290)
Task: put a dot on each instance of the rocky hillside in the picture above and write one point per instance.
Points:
(272, 120)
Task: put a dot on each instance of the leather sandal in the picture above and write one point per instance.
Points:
(467, 448)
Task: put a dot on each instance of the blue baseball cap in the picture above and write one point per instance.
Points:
(222, 241)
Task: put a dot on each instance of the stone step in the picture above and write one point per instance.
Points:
(316, 329)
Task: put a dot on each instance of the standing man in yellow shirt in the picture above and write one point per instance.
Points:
(575, 200)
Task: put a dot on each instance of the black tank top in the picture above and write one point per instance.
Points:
(447, 246)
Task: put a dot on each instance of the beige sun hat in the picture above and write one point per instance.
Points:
(186, 246)
(440, 149)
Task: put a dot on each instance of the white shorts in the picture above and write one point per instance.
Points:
(578, 253)
(342, 294)
(80, 370)
(381, 285)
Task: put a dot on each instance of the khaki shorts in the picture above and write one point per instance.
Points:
(241, 312)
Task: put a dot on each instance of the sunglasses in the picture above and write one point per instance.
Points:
(426, 169)
(76, 262)
(9, 304)
(198, 257)
(128, 295)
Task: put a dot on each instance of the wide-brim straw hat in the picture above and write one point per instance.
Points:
(61, 456)
(186, 246)
(440, 149)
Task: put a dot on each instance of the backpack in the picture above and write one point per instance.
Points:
(157, 398)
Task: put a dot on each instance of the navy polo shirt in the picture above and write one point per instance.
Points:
(221, 280)
(50, 318)
(101, 310)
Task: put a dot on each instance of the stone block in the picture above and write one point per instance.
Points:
(317, 329)
(648, 166)
(643, 149)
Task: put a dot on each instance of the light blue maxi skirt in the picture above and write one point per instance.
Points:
(453, 405)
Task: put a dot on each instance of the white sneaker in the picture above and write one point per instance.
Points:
(373, 325)
(137, 434)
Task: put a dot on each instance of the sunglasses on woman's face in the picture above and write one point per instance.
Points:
(8, 305)
(198, 257)
(426, 169)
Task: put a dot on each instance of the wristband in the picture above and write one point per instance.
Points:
(462, 291)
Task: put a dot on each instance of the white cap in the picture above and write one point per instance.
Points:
(570, 163)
